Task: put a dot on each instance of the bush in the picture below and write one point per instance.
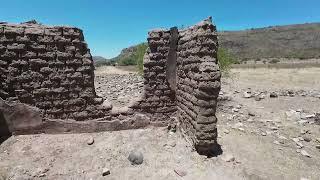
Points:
(225, 60)
(141, 50)
(274, 61)
(136, 58)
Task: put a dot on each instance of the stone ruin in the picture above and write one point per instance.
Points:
(47, 83)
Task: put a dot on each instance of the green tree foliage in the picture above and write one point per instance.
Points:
(141, 50)
(225, 60)
(136, 58)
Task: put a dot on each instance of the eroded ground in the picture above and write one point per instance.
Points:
(269, 138)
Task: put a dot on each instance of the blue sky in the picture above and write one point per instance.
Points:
(110, 25)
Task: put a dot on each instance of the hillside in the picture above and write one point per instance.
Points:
(99, 58)
(101, 61)
(130, 55)
(292, 41)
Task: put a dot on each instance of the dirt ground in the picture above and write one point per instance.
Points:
(266, 138)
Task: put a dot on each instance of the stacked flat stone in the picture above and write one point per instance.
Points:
(198, 84)
(50, 68)
(158, 98)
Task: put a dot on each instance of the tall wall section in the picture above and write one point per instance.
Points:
(159, 94)
(50, 68)
(198, 84)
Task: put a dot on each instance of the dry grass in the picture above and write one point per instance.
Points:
(279, 65)
(305, 78)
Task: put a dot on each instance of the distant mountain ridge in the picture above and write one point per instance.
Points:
(99, 58)
(289, 41)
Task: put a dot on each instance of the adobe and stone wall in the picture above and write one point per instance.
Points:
(50, 68)
(159, 98)
(47, 83)
(182, 79)
(198, 84)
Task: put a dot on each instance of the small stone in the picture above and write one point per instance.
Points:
(281, 141)
(302, 131)
(274, 128)
(90, 141)
(135, 157)
(295, 139)
(228, 158)
(250, 120)
(257, 98)
(299, 144)
(251, 113)
(263, 134)
(180, 172)
(247, 94)
(235, 110)
(282, 137)
(170, 144)
(318, 146)
(293, 115)
(273, 95)
(298, 150)
(302, 122)
(105, 171)
(305, 153)
(226, 131)
(276, 142)
(42, 175)
(237, 125)
(310, 116)
(318, 140)
(269, 132)
(307, 138)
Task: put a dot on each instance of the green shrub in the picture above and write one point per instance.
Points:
(274, 61)
(141, 50)
(225, 60)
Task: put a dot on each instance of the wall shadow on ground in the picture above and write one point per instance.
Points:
(4, 129)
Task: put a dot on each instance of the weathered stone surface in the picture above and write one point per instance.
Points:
(198, 84)
(20, 117)
(51, 68)
(41, 65)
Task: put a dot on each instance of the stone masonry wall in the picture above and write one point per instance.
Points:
(159, 97)
(182, 79)
(50, 68)
(48, 71)
(198, 84)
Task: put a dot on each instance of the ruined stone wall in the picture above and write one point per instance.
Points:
(182, 79)
(198, 84)
(50, 68)
(159, 96)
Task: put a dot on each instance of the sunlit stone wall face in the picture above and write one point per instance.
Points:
(50, 68)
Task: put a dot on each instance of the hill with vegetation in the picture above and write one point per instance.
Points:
(100, 61)
(300, 41)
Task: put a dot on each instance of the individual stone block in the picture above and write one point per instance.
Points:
(13, 30)
(16, 46)
(53, 31)
(34, 31)
(38, 63)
